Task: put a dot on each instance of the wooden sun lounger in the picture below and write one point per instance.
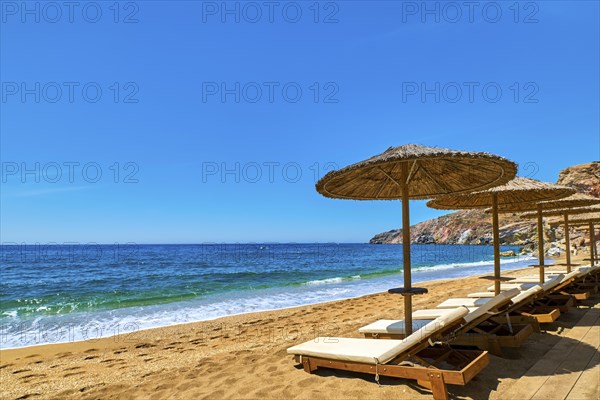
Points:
(479, 331)
(432, 366)
(529, 311)
(572, 286)
(588, 278)
(554, 298)
(565, 286)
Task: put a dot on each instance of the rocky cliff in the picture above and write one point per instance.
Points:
(475, 226)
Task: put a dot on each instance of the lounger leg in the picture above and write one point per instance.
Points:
(307, 366)
(494, 347)
(438, 386)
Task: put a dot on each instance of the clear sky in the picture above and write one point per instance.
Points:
(190, 121)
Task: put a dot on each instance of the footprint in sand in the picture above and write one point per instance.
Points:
(73, 374)
(113, 360)
(28, 396)
(116, 364)
(31, 376)
(144, 346)
(21, 371)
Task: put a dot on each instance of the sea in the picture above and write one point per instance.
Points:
(69, 292)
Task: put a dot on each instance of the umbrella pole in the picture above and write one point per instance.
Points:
(496, 230)
(540, 229)
(568, 242)
(406, 252)
(593, 251)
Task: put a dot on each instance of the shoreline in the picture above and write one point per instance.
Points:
(7, 352)
(224, 317)
(504, 262)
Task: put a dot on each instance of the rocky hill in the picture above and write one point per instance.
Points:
(475, 226)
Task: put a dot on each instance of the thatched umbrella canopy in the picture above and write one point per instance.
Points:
(517, 191)
(570, 202)
(590, 217)
(431, 172)
(593, 249)
(416, 172)
(558, 212)
(550, 208)
(590, 220)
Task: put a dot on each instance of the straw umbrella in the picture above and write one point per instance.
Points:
(589, 220)
(593, 250)
(575, 200)
(590, 217)
(415, 172)
(517, 191)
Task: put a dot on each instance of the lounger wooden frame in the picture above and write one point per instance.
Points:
(427, 373)
(543, 308)
(533, 315)
(562, 302)
(494, 336)
(570, 288)
(530, 313)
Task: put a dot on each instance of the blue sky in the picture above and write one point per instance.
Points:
(173, 122)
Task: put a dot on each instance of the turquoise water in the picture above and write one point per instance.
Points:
(58, 293)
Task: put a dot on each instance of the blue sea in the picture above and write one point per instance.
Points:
(69, 292)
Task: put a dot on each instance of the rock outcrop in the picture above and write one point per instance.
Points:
(475, 226)
(584, 177)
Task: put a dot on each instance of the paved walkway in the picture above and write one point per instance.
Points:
(570, 370)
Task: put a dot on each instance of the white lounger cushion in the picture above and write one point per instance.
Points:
(525, 294)
(583, 270)
(432, 313)
(531, 279)
(467, 302)
(491, 304)
(393, 326)
(372, 351)
(549, 284)
(478, 302)
(481, 294)
(517, 299)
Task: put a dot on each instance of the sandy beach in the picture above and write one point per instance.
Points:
(244, 356)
